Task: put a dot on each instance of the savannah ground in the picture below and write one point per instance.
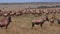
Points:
(23, 24)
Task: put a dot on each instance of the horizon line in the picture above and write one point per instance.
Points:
(28, 2)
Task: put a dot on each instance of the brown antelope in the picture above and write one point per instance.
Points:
(39, 21)
(12, 13)
(54, 11)
(37, 12)
(46, 11)
(33, 11)
(17, 13)
(5, 13)
(5, 21)
(24, 12)
(52, 19)
(58, 10)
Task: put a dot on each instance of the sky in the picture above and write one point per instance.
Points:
(24, 1)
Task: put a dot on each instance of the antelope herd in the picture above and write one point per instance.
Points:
(31, 11)
(39, 12)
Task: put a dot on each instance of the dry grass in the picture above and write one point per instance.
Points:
(22, 25)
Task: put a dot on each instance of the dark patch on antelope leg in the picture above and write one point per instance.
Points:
(41, 25)
(32, 25)
(58, 22)
(7, 25)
